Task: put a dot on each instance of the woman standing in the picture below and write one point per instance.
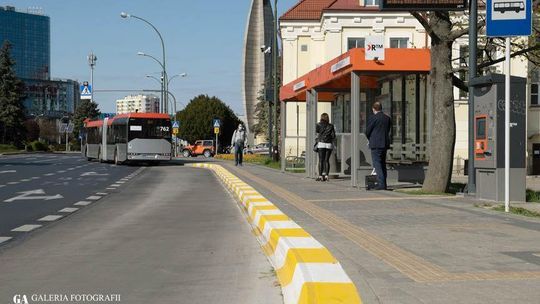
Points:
(326, 135)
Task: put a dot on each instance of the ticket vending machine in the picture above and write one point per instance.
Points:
(489, 127)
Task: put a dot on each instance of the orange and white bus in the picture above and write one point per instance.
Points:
(128, 137)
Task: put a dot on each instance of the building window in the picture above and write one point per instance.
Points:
(534, 94)
(399, 43)
(356, 43)
(303, 48)
(372, 2)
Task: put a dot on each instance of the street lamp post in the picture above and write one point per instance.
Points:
(276, 101)
(92, 63)
(169, 82)
(165, 87)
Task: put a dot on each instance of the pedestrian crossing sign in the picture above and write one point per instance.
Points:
(176, 124)
(217, 123)
(86, 91)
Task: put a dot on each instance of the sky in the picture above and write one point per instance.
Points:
(202, 38)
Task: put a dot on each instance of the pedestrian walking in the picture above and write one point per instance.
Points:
(238, 141)
(378, 133)
(326, 135)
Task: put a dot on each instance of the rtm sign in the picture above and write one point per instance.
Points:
(375, 48)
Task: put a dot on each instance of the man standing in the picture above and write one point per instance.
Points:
(238, 142)
(378, 134)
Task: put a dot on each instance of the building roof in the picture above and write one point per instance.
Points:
(313, 9)
(307, 10)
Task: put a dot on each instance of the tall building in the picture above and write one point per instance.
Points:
(138, 103)
(257, 64)
(29, 34)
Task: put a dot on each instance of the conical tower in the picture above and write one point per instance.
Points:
(257, 65)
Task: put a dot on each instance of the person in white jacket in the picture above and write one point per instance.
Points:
(238, 141)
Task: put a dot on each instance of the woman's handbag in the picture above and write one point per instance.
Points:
(315, 148)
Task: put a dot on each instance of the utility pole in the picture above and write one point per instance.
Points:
(92, 62)
(473, 34)
(275, 52)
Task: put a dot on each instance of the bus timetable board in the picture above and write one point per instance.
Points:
(423, 5)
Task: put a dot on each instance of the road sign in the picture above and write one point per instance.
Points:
(508, 18)
(31, 195)
(216, 123)
(63, 127)
(86, 91)
(375, 47)
(175, 131)
(216, 130)
(176, 124)
(70, 128)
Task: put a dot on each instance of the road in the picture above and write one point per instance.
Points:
(170, 234)
(38, 189)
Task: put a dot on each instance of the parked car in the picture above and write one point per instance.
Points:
(201, 147)
(261, 148)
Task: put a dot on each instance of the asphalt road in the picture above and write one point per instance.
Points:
(37, 189)
(170, 234)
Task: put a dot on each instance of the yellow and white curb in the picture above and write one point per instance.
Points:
(306, 270)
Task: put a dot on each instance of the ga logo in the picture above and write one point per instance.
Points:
(20, 299)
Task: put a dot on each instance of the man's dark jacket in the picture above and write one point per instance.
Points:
(378, 131)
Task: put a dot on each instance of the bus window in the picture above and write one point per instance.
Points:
(149, 128)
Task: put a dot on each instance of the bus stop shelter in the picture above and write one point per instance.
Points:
(347, 86)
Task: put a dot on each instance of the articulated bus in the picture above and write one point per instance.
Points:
(128, 137)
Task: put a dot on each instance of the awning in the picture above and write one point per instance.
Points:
(336, 74)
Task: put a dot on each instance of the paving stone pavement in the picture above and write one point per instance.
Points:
(399, 248)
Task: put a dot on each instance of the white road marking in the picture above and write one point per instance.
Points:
(93, 198)
(26, 228)
(120, 182)
(69, 169)
(49, 174)
(26, 180)
(12, 183)
(8, 171)
(116, 185)
(61, 171)
(2, 186)
(26, 195)
(4, 239)
(35, 177)
(50, 218)
(68, 210)
(83, 203)
(102, 193)
(94, 174)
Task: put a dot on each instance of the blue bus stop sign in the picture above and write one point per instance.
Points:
(507, 18)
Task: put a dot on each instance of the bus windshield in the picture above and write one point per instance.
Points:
(149, 128)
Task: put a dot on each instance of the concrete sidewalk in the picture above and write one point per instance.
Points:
(399, 248)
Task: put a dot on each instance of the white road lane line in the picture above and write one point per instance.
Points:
(50, 218)
(61, 171)
(49, 174)
(120, 182)
(93, 198)
(4, 239)
(26, 180)
(26, 228)
(116, 185)
(12, 183)
(110, 188)
(68, 210)
(83, 203)
(102, 193)
(2, 186)
(35, 177)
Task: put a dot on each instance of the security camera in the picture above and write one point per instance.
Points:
(266, 50)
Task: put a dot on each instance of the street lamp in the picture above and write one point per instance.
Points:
(165, 88)
(276, 101)
(177, 75)
(92, 63)
(168, 92)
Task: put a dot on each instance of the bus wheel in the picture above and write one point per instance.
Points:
(207, 153)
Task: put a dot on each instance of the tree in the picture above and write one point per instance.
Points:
(197, 117)
(261, 112)
(32, 130)
(86, 109)
(443, 30)
(12, 115)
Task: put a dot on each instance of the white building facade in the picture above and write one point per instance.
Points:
(138, 103)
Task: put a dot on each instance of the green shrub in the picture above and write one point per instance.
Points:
(28, 148)
(39, 146)
(8, 148)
